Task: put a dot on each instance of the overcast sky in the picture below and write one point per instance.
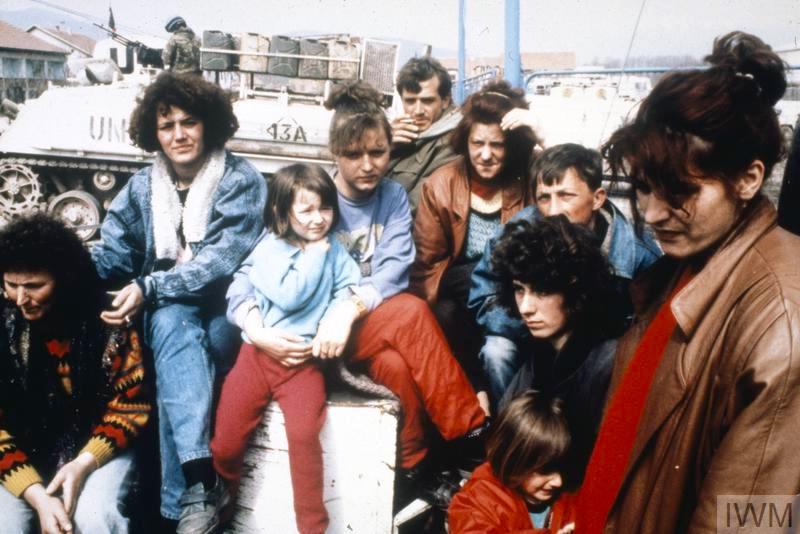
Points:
(591, 28)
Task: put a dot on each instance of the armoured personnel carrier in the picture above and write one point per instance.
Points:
(68, 151)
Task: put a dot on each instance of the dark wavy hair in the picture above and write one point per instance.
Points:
(488, 107)
(39, 242)
(552, 163)
(713, 123)
(203, 100)
(531, 435)
(357, 108)
(555, 256)
(283, 188)
(421, 69)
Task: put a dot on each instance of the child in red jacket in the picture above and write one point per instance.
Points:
(528, 443)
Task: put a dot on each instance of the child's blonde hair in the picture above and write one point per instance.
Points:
(530, 435)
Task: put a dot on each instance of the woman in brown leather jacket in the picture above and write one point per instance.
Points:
(700, 421)
(462, 205)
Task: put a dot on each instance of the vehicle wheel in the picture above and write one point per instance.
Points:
(104, 180)
(20, 191)
(79, 210)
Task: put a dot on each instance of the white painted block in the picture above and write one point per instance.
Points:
(359, 451)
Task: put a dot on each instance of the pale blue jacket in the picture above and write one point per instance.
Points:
(377, 234)
(294, 288)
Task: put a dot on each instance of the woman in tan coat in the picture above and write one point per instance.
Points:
(465, 203)
(704, 403)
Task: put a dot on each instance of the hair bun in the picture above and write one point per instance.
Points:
(354, 97)
(748, 56)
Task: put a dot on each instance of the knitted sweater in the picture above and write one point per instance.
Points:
(481, 227)
(125, 414)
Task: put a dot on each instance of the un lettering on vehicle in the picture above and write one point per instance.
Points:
(108, 128)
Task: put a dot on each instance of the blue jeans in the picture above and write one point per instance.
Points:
(190, 346)
(100, 507)
(501, 361)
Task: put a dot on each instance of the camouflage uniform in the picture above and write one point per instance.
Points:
(181, 55)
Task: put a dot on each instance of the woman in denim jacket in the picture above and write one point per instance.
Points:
(172, 239)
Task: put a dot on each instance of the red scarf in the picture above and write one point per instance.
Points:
(604, 474)
(486, 189)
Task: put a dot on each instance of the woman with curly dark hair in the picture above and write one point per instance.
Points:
(204, 101)
(171, 241)
(554, 277)
(462, 205)
(71, 387)
(702, 412)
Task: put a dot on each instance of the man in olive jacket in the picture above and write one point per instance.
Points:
(421, 135)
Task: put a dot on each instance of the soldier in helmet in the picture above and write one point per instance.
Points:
(182, 53)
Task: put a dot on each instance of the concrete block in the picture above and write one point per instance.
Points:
(359, 452)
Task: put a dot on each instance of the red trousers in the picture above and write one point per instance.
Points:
(405, 350)
(300, 391)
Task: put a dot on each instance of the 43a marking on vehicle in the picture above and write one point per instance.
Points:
(287, 130)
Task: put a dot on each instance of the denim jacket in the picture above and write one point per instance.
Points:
(127, 249)
(628, 254)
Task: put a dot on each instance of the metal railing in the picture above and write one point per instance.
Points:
(473, 84)
(620, 72)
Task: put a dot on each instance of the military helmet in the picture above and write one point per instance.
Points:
(174, 23)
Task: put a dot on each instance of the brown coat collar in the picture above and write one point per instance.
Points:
(691, 304)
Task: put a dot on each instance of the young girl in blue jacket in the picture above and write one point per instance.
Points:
(297, 272)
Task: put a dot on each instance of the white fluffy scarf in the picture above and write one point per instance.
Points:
(168, 213)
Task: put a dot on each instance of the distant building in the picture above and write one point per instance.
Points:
(75, 44)
(531, 61)
(27, 64)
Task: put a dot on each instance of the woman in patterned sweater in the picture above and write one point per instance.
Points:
(71, 388)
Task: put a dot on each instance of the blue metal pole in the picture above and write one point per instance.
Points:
(512, 65)
(459, 96)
